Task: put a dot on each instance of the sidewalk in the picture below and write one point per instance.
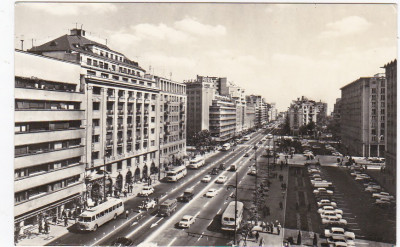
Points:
(58, 230)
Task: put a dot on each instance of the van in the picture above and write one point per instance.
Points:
(167, 207)
(187, 195)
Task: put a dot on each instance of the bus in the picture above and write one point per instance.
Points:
(226, 146)
(176, 173)
(246, 138)
(196, 162)
(228, 217)
(94, 217)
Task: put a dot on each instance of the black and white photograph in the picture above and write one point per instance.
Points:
(203, 124)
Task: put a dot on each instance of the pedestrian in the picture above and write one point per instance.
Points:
(125, 193)
(65, 221)
(126, 214)
(263, 226)
(268, 227)
(46, 227)
(131, 187)
(40, 227)
(257, 236)
(281, 205)
(279, 228)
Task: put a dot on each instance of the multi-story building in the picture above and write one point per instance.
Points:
(222, 118)
(391, 118)
(172, 120)
(362, 116)
(200, 94)
(122, 113)
(250, 119)
(261, 108)
(301, 112)
(336, 109)
(49, 137)
(272, 112)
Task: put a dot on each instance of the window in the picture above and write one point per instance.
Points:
(128, 162)
(95, 63)
(95, 155)
(153, 143)
(95, 138)
(152, 130)
(96, 122)
(96, 106)
(96, 90)
(89, 61)
(119, 165)
(153, 119)
(153, 107)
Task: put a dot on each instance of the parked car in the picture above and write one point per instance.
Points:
(382, 194)
(338, 231)
(330, 214)
(221, 179)
(372, 189)
(362, 177)
(186, 221)
(252, 171)
(320, 191)
(206, 179)
(329, 209)
(146, 191)
(334, 221)
(211, 192)
(336, 239)
(325, 202)
(383, 201)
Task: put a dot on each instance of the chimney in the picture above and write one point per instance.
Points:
(78, 32)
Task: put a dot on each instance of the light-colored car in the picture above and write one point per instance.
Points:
(373, 189)
(330, 209)
(252, 171)
(382, 194)
(146, 205)
(338, 231)
(325, 202)
(146, 191)
(221, 179)
(334, 221)
(211, 192)
(355, 173)
(362, 177)
(186, 221)
(330, 214)
(322, 191)
(206, 179)
(383, 201)
(336, 239)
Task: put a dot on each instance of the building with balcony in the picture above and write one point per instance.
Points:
(391, 118)
(261, 108)
(172, 120)
(250, 119)
(122, 117)
(49, 137)
(222, 118)
(362, 116)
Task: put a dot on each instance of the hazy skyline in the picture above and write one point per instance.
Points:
(281, 51)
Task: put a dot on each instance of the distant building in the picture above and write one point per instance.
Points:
(222, 118)
(49, 139)
(261, 108)
(250, 118)
(391, 118)
(303, 111)
(336, 109)
(362, 116)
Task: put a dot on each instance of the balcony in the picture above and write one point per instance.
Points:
(146, 124)
(130, 126)
(110, 127)
(120, 126)
(109, 143)
(129, 139)
(48, 115)
(35, 180)
(130, 112)
(110, 112)
(48, 198)
(40, 94)
(47, 136)
(47, 157)
(138, 112)
(121, 99)
(139, 101)
(120, 112)
(111, 98)
(131, 99)
(145, 136)
(120, 141)
(147, 101)
(146, 112)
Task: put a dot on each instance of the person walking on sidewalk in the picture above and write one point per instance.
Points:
(126, 214)
(65, 221)
(279, 228)
(257, 236)
(46, 227)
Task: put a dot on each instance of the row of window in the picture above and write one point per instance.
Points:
(117, 78)
(45, 105)
(113, 67)
(172, 87)
(45, 189)
(45, 85)
(136, 160)
(48, 167)
(172, 149)
(46, 126)
(46, 147)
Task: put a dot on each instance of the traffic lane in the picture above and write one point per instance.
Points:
(363, 211)
(189, 182)
(207, 223)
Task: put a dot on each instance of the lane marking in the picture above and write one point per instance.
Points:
(170, 243)
(140, 227)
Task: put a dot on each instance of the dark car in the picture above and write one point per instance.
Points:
(214, 171)
(121, 241)
(222, 166)
(247, 155)
(187, 195)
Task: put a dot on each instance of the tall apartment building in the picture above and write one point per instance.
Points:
(250, 119)
(222, 118)
(49, 137)
(200, 94)
(337, 109)
(363, 116)
(172, 119)
(303, 111)
(391, 117)
(261, 108)
(123, 112)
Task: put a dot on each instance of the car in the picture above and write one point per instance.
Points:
(147, 204)
(121, 241)
(221, 179)
(186, 196)
(211, 192)
(222, 166)
(362, 177)
(330, 209)
(252, 171)
(372, 189)
(334, 221)
(214, 171)
(383, 201)
(338, 231)
(382, 195)
(186, 221)
(336, 239)
(206, 179)
(321, 191)
(146, 191)
(330, 214)
(325, 202)
(354, 173)
(246, 155)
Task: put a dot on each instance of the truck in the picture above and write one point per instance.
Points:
(186, 196)
(167, 207)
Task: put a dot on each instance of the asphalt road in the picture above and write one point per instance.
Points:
(147, 226)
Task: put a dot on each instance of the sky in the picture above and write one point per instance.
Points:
(280, 51)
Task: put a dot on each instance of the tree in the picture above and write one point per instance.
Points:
(202, 140)
(315, 240)
(299, 238)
